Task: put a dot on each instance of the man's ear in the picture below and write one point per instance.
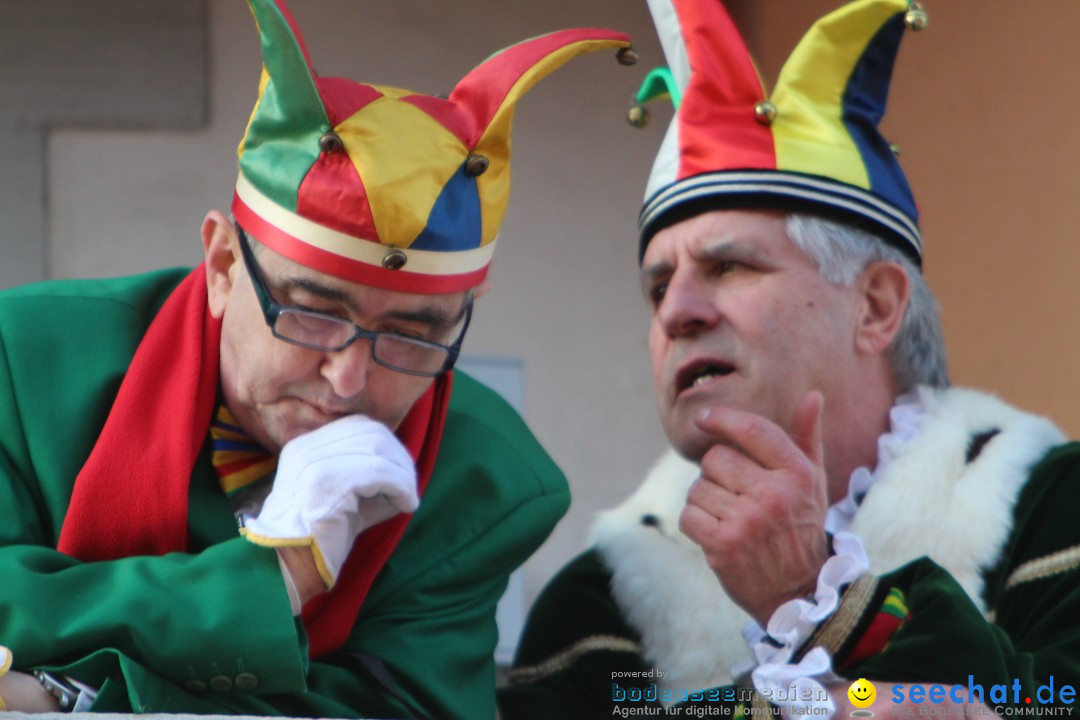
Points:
(218, 240)
(482, 289)
(885, 289)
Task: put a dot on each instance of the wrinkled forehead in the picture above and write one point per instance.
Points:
(701, 237)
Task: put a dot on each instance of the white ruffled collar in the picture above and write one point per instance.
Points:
(905, 419)
(793, 622)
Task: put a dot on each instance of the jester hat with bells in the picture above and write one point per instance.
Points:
(812, 144)
(383, 186)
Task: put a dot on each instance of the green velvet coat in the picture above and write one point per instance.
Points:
(211, 630)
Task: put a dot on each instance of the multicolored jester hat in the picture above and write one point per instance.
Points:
(811, 144)
(379, 185)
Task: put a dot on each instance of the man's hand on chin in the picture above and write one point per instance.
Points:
(331, 485)
(758, 509)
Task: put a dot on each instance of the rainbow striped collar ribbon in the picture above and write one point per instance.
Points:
(239, 461)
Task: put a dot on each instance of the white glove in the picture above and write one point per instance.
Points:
(332, 484)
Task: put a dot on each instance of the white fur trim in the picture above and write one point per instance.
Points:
(689, 627)
(929, 501)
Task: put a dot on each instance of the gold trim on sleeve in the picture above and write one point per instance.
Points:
(564, 659)
(832, 633)
(1056, 563)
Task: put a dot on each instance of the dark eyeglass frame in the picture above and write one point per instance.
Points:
(272, 310)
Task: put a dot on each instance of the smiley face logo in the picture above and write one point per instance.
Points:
(862, 693)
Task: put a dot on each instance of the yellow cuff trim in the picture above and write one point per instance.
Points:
(320, 563)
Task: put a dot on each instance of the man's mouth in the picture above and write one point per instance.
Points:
(699, 373)
(327, 410)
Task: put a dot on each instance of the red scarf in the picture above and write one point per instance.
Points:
(171, 387)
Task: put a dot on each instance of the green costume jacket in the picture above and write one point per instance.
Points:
(211, 630)
(970, 531)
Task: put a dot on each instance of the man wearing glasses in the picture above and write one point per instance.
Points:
(408, 349)
(257, 487)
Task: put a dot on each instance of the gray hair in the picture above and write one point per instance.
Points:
(841, 252)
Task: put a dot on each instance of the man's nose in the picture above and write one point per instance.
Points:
(346, 370)
(688, 306)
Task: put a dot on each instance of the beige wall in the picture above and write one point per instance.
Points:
(983, 107)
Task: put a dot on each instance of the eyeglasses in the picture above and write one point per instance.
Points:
(319, 331)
